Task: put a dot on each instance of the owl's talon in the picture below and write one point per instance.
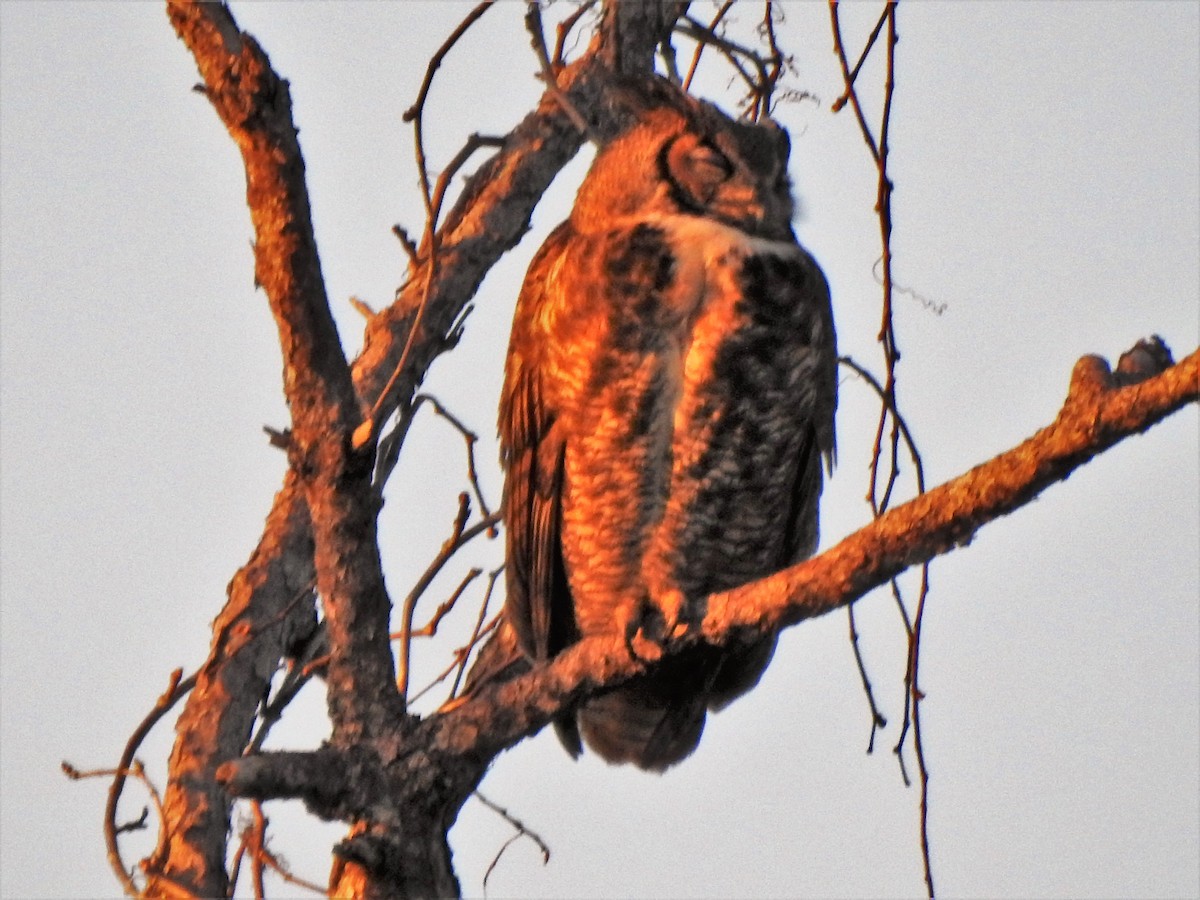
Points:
(642, 648)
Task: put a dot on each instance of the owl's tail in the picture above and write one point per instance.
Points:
(641, 724)
(656, 721)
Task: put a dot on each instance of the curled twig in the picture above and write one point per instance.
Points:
(471, 438)
(564, 29)
(177, 688)
(929, 303)
(128, 765)
(521, 831)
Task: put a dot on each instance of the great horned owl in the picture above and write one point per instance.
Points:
(668, 402)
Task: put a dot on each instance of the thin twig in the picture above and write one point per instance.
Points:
(461, 655)
(264, 859)
(851, 94)
(410, 247)
(777, 58)
(698, 31)
(471, 439)
(712, 28)
(521, 829)
(889, 406)
(918, 742)
(890, 402)
(478, 631)
(429, 629)
(256, 835)
(537, 35)
(449, 546)
(452, 545)
(415, 113)
(136, 770)
(235, 868)
(866, 51)
(177, 687)
(474, 142)
(289, 688)
(666, 52)
(563, 29)
(878, 721)
(429, 243)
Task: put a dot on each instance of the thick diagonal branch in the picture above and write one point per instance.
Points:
(255, 107)
(328, 476)
(1097, 414)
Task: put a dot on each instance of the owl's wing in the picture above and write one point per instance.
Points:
(818, 449)
(537, 585)
(533, 447)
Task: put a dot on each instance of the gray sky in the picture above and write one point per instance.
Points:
(1047, 169)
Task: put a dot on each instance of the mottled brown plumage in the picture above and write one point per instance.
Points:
(668, 399)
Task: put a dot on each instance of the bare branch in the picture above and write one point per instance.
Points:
(253, 103)
(1096, 415)
(537, 35)
(521, 831)
(701, 44)
(416, 112)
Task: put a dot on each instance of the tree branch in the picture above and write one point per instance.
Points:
(1099, 411)
(254, 104)
(334, 479)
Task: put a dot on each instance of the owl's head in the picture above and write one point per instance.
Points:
(685, 156)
